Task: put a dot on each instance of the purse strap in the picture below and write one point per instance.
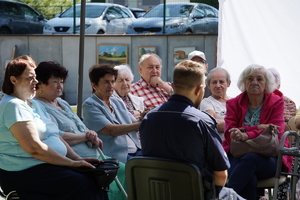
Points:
(253, 144)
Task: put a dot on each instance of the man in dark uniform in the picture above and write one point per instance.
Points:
(178, 130)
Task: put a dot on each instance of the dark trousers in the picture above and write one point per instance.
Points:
(50, 182)
(244, 173)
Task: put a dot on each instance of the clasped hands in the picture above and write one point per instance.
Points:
(92, 137)
(237, 135)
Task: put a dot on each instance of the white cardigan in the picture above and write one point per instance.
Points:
(138, 102)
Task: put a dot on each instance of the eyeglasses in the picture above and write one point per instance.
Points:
(201, 61)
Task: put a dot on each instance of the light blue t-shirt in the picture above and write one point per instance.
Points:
(12, 110)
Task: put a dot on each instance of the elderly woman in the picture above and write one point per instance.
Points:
(218, 80)
(258, 106)
(52, 76)
(107, 115)
(290, 109)
(133, 103)
(34, 157)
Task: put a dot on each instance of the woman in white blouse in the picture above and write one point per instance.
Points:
(133, 103)
(218, 80)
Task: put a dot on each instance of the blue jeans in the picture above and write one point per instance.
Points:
(245, 171)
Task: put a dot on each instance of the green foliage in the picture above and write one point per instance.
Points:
(214, 3)
(101, 1)
(50, 8)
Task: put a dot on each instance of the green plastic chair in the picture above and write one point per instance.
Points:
(150, 178)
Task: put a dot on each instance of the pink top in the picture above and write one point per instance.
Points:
(271, 113)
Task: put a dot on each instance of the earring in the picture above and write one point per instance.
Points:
(41, 91)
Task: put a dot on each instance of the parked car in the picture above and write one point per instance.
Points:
(20, 18)
(138, 12)
(100, 18)
(180, 18)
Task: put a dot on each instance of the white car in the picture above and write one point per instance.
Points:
(100, 18)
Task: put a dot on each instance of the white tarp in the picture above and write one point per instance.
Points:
(264, 32)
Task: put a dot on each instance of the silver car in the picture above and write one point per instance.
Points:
(100, 18)
(180, 18)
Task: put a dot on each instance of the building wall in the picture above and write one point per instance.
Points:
(65, 50)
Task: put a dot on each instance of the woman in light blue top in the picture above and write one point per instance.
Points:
(33, 156)
(107, 115)
(52, 76)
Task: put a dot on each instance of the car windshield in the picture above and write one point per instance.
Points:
(91, 11)
(172, 10)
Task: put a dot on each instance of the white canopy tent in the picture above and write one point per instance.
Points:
(264, 32)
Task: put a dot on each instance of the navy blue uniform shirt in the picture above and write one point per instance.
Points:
(177, 130)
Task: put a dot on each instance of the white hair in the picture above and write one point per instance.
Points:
(271, 85)
(124, 69)
(147, 55)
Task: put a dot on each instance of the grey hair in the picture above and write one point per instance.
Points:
(124, 69)
(271, 85)
(147, 55)
(228, 79)
(276, 76)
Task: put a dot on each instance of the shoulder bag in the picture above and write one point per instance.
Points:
(103, 174)
(266, 144)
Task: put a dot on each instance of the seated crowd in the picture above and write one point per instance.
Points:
(191, 120)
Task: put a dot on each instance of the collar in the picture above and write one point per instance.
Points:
(144, 83)
(177, 97)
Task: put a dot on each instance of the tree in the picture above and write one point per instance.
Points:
(50, 8)
(214, 3)
(101, 1)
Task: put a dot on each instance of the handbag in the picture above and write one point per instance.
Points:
(103, 174)
(266, 144)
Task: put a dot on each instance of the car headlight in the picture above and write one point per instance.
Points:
(48, 27)
(85, 27)
(175, 25)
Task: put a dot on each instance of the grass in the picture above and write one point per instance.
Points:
(74, 108)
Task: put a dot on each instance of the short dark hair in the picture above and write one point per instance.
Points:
(14, 68)
(46, 69)
(100, 70)
(187, 74)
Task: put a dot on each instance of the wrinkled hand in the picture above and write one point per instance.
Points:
(97, 143)
(237, 135)
(91, 136)
(85, 162)
(144, 113)
(156, 81)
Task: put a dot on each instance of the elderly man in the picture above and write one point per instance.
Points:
(199, 57)
(151, 87)
(182, 132)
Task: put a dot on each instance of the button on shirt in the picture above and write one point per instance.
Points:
(153, 96)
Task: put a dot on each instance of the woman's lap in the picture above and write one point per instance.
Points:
(47, 181)
(244, 173)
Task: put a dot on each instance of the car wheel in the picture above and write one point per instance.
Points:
(188, 32)
(100, 32)
(5, 30)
